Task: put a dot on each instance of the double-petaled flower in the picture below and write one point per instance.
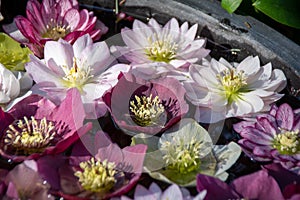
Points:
(273, 137)
(154, 50)
(52, 20)
(35, 127)
(84, 65)
(222, 90)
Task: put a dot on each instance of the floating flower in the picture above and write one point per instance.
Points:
(52, 20)
(273, 137)
(154, 50)
(183, 152)
(35, 127)
(111, 172)
(221, 90)
(155, 193)
(13, 56)
(85, 66)
(144, 106)
(258, 185)
(24, 182)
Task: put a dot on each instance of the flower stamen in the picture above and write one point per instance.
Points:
(181, 156)
(97, 176)
(29, 136)
(287, 142)
(146, 110)
(55, 30)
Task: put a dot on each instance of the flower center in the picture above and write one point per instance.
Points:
(161, 50)
(29, 136)
(76, 76)
(146, 110)
(56, 30)
(97, 176)
(181, 156)
(233, 83)
(287, 142)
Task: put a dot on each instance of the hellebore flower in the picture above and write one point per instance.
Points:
(144, 106)
(185, 150)
(258, 185)
(155, 193)
(154, 50)
(111, 172)
(85, 66)
(24, 182)
(35, 127)
(13, 56)
(273, 137)
(221, 90)
(52, 20)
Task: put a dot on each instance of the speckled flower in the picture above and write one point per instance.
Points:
(51, 20)
(154, 50)
(155, 193)
(85, 66)
(111, 172)
(222, 90)
(273, 137)
(185, 150)
(35, 127)
(140, 106)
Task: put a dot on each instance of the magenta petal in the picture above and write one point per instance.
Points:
(70, 111)
(267, 126)
(27, 29)
(5, 119)
(292, 191)
(241, 125)
(33, 11)
(285, 117)
(216, 189)
(256, 136)
(84, 19)
(258, 185)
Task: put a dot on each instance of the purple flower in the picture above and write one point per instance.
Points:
(155, 193)
(24, 182)
(273, 137)
(35, 127)
(144, 106)
(258, 185)
(84, 65)
(52, 20)
(111, 172)
(154, 50)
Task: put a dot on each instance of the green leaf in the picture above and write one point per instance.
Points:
(283, 11)
(13, 56)
(230, 5)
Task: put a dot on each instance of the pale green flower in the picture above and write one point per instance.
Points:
(13, 56)
(185, 151)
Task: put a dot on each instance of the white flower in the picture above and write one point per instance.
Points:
(154, 50)
(9, 85)
(222, 90)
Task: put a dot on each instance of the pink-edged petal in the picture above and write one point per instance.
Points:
(258, 185)
(285, 117)
(61, 52)
(84, 19)
(72, 18)
(33, 11)
(27, 29)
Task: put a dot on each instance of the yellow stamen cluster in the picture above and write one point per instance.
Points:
(29, 136)
(161, 49)
(287, 142)
(181, 156)
(76, 76)
(56, 30)
(146, 110)
(97, 176)
(233, 83)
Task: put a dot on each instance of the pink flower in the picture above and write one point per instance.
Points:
(141, 106)
(52, 20)
(35, 127)
(273, 137)
(111, 172)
